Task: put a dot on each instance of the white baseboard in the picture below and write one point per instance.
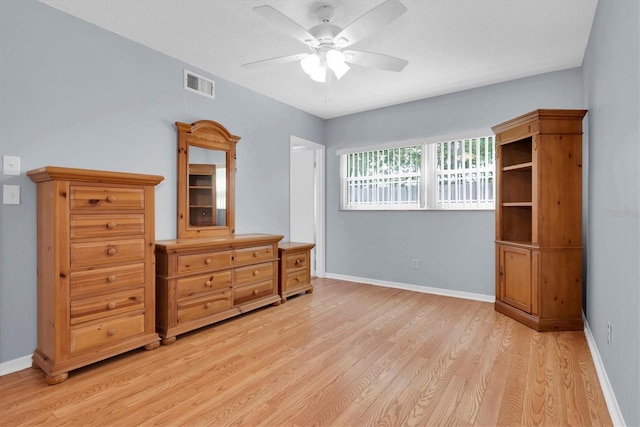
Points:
(605, 385)
(15, 365)
(416, 288)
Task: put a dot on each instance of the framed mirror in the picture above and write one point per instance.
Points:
(206, 180)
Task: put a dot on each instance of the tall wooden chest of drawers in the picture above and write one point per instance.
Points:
(205, 280)
(295, 269)
(96, 295)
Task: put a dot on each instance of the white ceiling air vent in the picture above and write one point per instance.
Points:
(198, 84)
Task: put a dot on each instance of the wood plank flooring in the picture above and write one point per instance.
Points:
(348, 354)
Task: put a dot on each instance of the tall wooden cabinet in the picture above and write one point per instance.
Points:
(539, 219)
(95, 266)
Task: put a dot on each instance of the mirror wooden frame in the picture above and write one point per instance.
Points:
(209, 135)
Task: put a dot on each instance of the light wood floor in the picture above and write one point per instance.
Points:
(346, 355)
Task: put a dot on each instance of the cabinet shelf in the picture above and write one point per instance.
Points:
(517, 204)
(519, 166)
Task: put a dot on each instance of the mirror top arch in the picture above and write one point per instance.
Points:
(207, 134)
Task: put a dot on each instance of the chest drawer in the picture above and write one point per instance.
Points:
(255, 254)
(106, 198)
(245, 294)
(103, 279)
(191, 286)
(106, 333)
(106, 305)
(96, 253)
(83, 226)
(205, 261)
(296, 260)
(205, 306)
(253, 273)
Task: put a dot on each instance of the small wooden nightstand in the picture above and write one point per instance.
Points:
(295, 269)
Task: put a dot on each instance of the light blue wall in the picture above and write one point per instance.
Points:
(455, 249)
(72, 94)
(612, 94)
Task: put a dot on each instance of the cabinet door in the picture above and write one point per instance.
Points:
(515, 277)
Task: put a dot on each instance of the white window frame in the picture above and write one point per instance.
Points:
(459, 170)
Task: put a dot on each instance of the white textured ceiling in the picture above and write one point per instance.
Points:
(451, 45)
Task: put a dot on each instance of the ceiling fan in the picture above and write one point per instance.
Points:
(327, 42)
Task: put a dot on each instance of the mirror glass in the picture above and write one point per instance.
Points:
(207, 196)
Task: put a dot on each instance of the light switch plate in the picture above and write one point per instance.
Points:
(11, 165)
(11, 194)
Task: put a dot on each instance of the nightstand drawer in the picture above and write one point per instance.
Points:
(253, 273)
(252, 292)
(96, 253)
(83, 226)
(103, 279)
(106, 333)
(297, 278)
(191, 286)
(203, 307)
(296, 260)
(255, 254)
(205, 261)
(106, 198)
(87, 309)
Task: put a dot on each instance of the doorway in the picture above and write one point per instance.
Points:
(306, 201)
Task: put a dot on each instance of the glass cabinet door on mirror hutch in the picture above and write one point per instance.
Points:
(209, 273)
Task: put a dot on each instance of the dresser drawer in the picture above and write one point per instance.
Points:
(296, 278)
(83, 226)
(203, 307)
(253, 273)
(86, 309)
(296, 260)
(191, 286)
(106, 333)
(103, 279)
(205, 261)
(96, 253)
(255, 254)
(252, 292)
(106, 198)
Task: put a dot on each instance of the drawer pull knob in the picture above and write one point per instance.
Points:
(111, 278)
(111, 198)
(111, 225)
(111, 305)
(255, 292)
(112, 251)
(207, 305)
(207, 283)
(298, 262)
(207, 261)
(111, 332)
(255, 273)
(255, 254)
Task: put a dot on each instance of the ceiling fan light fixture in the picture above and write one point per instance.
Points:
(310, 64)
(320, 75)
(335, 61)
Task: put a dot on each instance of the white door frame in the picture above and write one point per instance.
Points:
(319, 197)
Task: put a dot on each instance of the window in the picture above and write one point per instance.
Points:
(445, 174)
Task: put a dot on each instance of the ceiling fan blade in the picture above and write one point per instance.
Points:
(275, 61)
(286, 25)
(374, 60)
(370, 22)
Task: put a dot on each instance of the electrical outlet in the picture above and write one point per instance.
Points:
(415, 263)
(609, 331)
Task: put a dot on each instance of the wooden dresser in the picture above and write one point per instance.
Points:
(295, 269)
(95, 266)
(205, 280)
